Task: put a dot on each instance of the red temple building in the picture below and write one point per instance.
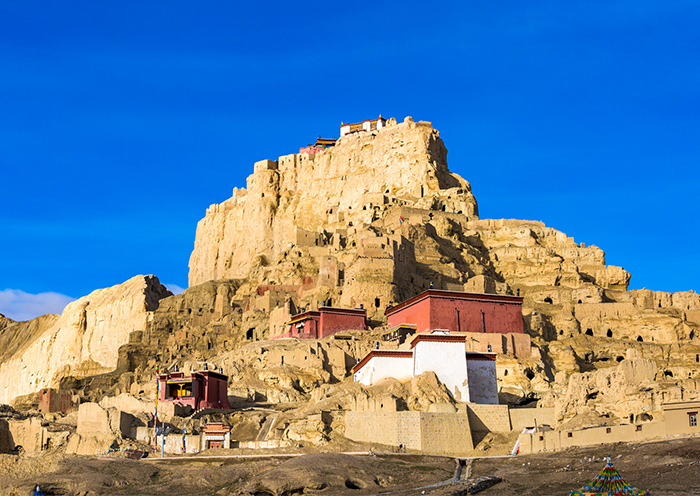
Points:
(317, 324)
(492, 322)
(52, 400)
(204, 389)
(215, 435)
(320, 145)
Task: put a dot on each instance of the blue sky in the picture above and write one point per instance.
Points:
(120, 122)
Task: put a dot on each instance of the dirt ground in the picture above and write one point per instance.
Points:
(319, 473)
(664, 468)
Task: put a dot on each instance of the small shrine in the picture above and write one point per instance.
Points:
(215, 435)
(324, 322)
(320, 145)
(203, 389)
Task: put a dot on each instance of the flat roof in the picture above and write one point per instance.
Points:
(412, 327)
(355, 312)
(437, 338)
(180, 376)
(478, 355)
(459, 295)
(381, 353)
(352, 311)
(380, 118)
(303, 316)
(681, 405)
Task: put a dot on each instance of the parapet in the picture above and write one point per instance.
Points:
(264, 165)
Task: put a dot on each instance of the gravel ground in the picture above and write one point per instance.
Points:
(664, 468)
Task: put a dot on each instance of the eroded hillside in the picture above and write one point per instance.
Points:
(370, 222)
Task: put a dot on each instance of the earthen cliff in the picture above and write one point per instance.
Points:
(372, 221)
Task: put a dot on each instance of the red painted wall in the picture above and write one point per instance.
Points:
(209, 390)
(214, 388)
(309, 331)
(51, 400)
(417, 314)
(334, 322)
(433, 312)
(326, 322)
(498, 317)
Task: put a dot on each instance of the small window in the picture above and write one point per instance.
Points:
(693, 419)
(489, 348)
(608, 430)
(570, 434)
(639, 428)
(541, 438)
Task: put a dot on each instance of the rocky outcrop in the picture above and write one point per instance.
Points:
(317, 208)
(16, 335)
(370, 222)
(84, 340)
(289, 370)
(380, 218)
(613, 393)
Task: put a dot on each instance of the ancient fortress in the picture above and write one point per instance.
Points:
(366, 222)
(339, 221)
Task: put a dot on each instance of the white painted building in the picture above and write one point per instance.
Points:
(368, 125)
(379, 365)
(469, 376)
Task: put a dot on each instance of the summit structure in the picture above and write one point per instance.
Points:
(325, 245)
(339, 218)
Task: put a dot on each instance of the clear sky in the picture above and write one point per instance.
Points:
(120, 122)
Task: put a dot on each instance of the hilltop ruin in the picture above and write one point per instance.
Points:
(368, 221)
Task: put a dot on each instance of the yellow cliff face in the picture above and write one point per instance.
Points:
(84, 340)
(333, 192)
(370, 222)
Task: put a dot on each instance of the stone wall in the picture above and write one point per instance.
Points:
(488, 417)
(520, 418)
(557, 439)
(675, 423)
(434, 433)
(28, 433)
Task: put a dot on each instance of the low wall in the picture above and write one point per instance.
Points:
(488, 417)
(680, 419)
(520, 418)
(27, 433)
(557, 440)
(270, 443)
(173, 444)
(436, 433)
